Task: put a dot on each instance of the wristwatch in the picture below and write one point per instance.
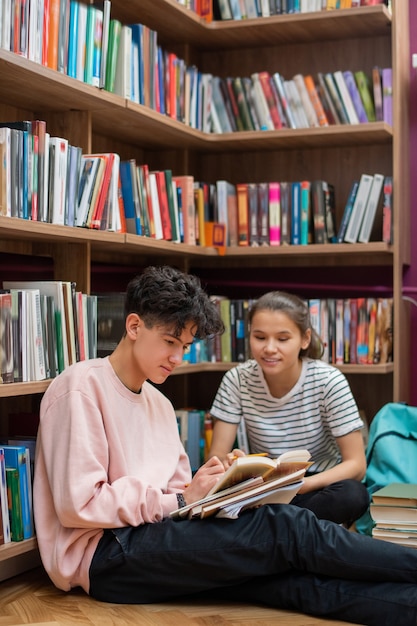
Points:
(181, 501)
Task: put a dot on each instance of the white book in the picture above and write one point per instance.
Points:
(261, 104)
(58, 167)
(206, 84)
(5, 173)
(358, 210)
(279, 83)
(251, 9)
(371, 208)
(155, 206)
(114, 220)
(306, 101)
(122, 83)
(294, 101)
(104, 42)
(88, 173)
(221, 203)
(33, 356)
(345, 96)
(49, 288)
(135, 72)
(176, 213)
(35, 30)
(82, 34)
(6, 24)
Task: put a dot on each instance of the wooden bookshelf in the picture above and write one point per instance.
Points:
(97, 120)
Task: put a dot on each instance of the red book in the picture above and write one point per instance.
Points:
(104, 190)
(186, 184)
(265, 79)
(204, 8)
(163, 205)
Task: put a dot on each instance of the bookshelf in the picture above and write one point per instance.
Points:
(97, 121)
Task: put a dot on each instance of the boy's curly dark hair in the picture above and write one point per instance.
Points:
(165, 295)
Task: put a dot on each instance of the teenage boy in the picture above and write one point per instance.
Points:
(110, 468)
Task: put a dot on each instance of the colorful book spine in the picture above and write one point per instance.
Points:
(296, 213)
(387, 223)
(305, 232)
(387, 95)
(274, 214)
(347, 212)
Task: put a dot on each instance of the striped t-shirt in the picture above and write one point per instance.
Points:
(319, 408)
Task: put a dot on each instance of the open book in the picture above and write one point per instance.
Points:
(251, 481)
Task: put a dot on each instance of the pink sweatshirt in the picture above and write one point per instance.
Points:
(106, 458)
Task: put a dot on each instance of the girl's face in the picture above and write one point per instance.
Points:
(276, 341)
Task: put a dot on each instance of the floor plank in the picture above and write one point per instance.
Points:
(32, 599)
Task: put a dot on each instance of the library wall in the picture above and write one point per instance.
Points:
(410, 277)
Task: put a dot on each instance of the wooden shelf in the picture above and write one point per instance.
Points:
(369, 21)
(15, 548)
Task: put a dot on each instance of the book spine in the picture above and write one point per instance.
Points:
(387, 223)
(305, 233)
(347, 212)
(387, 95)
(14, 504)
(355, 96)
(263, 214)
(243, 214)
(295, 213)
(274, 214)
(358, 210)
(315, 100)
(377, 93)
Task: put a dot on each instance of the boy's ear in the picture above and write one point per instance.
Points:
(133, 323)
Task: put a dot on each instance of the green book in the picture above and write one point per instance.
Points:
(364, 89)
(113, 48)
(397, 494)
(14, 503)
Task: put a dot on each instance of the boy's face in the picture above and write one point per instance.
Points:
(157, 351)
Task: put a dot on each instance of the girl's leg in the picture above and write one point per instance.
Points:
(342, 502)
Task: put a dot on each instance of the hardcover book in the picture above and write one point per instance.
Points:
(358, 209)
(248, 477)
(374, 200)
(387, 95)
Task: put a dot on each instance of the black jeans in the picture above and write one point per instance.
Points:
(342, 502)
(279, 555)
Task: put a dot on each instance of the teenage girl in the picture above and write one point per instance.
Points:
(287, 398)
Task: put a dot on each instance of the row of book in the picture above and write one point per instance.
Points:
(394, 511)
(352, 330)
(248, 9)
(16, 503)
(44, 327)
(85, 43)
(44, 178)
(195, 428)
(267, 101)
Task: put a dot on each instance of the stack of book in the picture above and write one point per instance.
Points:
(251, 481)
(394, 511)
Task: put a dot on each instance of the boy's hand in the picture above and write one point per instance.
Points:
(204, 479)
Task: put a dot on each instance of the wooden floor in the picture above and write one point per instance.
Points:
(31, 598)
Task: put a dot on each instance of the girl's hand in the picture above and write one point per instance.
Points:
(231, 456)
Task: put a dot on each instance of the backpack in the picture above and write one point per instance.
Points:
(391, 453)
